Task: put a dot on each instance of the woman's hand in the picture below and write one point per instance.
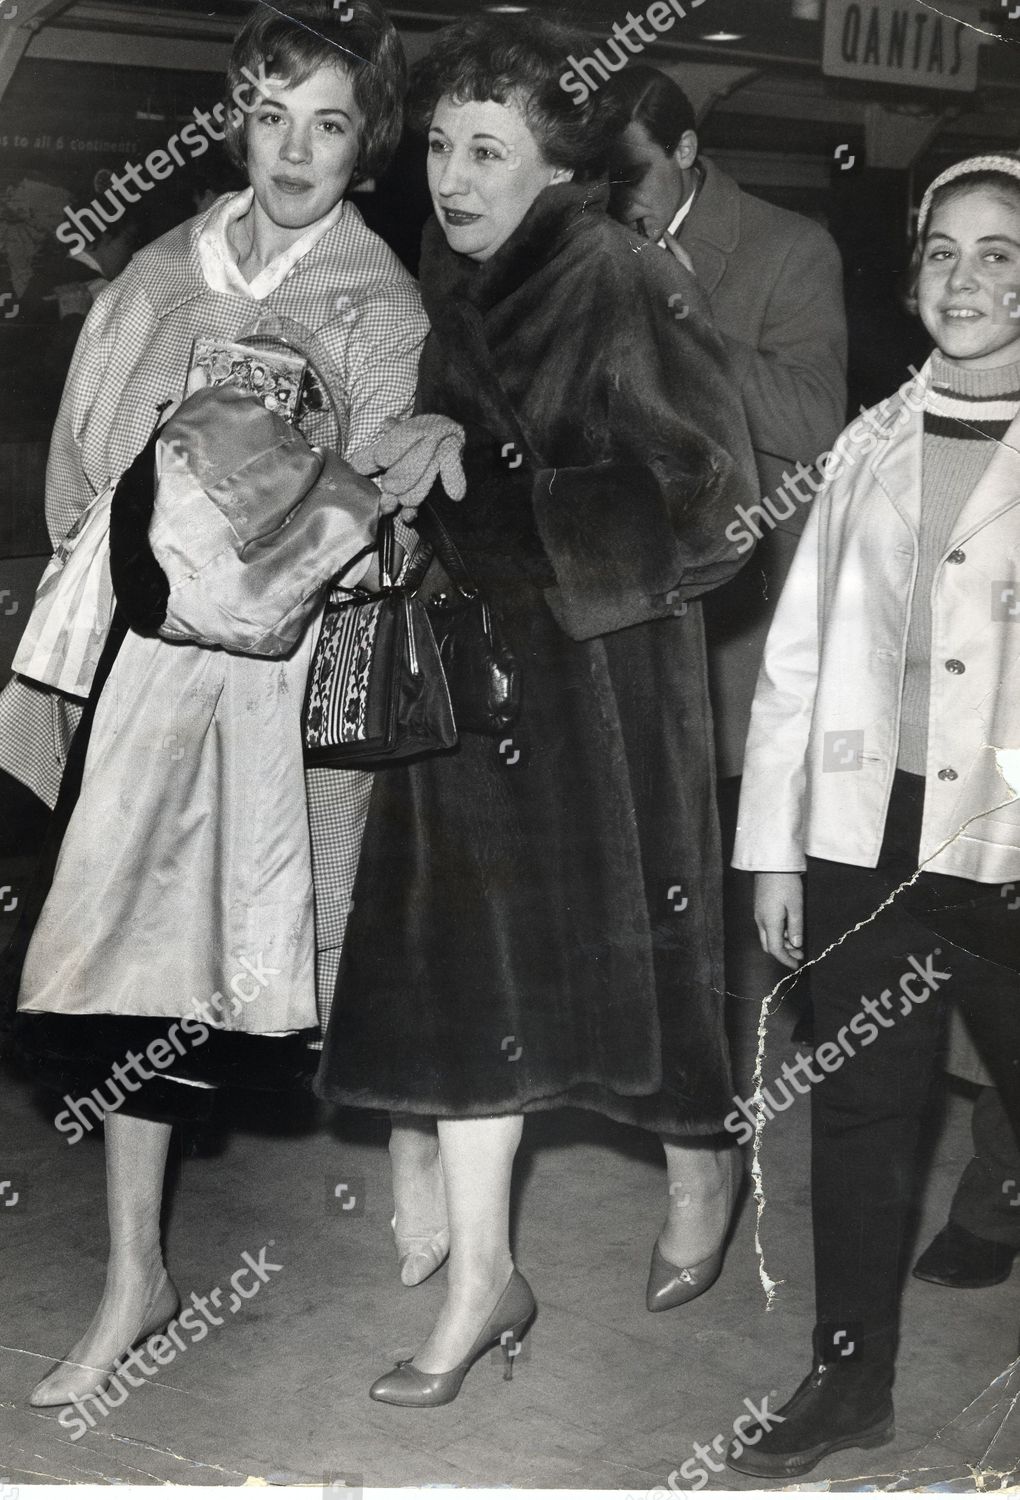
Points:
(408, 458)
(779, 915)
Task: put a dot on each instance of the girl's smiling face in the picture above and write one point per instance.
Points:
(968, 289)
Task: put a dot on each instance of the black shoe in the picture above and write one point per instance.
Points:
(833, 1408)
(958, 1258)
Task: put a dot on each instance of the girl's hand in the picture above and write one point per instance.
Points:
(779, 915)
(409, 457)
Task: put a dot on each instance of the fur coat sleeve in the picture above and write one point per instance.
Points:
(614, 430)
(638, 534)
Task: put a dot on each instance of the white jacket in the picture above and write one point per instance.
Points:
(824, 734)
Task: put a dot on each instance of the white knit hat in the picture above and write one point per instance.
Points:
(1010, 165)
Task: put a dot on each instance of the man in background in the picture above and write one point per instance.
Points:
(774, 282)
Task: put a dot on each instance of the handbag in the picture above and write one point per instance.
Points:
(483, 675)
(376, 690)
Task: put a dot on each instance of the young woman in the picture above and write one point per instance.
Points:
(872, 778)
(542, 926)
(188, 848)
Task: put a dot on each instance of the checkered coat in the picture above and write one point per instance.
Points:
(352, 306)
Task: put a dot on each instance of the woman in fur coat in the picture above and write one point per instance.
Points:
(537, 918)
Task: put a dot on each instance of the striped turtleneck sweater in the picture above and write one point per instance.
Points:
(966, 412)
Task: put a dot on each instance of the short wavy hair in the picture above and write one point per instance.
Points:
(1001, 182)
(295, 39)
(656, 101)
(519, 60)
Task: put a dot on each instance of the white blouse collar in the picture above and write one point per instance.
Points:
(218, 258)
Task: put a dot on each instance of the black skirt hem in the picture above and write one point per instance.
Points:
(76, 1056)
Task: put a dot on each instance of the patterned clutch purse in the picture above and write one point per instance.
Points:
(275, 376)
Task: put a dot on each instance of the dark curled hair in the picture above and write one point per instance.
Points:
(520, 60)
(654, 100)
(1001, 182)
(308, 36)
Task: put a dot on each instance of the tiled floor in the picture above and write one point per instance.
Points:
(606, 1395)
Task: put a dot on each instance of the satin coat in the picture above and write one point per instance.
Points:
(249, 524)
(537, 917)
(348, 302)
(188, 850)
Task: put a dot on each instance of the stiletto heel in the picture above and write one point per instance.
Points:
(510, 1343)
(506, 1325)
(157, 1319)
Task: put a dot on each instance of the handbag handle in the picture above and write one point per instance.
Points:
(386, 546)
(446, 549)
(386, 543)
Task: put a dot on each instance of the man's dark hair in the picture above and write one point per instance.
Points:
(652, 99)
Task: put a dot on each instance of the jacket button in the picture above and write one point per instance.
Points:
(952, 665)
(957, 556)
(947, 774)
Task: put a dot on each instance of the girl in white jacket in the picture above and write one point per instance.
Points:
(882, 762)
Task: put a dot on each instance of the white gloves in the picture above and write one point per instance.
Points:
(412, 454)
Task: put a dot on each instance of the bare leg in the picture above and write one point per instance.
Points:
(478, 1159)
(139, 1295)
(700, 1198)
(420, 1225)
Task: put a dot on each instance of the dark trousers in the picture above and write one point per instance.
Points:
(880, 1001)
(987, 1199)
